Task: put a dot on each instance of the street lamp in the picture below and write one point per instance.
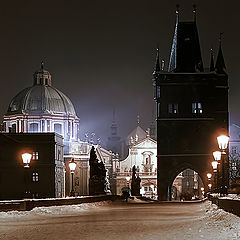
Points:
(223, 142)
(72, 166)
(209, 175)
(26, 158)
(128, 179)
(214, 165)
(217, 155)
(223, 145)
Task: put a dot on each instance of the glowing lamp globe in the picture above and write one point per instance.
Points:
(217, 155)
(128, 178)
(72, 166)
(26, 158)
(223, 141)
(214, 165)
(209, 185)
(209, 175)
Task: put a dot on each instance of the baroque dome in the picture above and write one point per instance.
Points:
(41, 98)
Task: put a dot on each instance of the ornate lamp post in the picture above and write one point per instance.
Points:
(223, 145)
(26, 158)
(215, 167)
(128, 180)
(72, 166)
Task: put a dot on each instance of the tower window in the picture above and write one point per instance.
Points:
(35, 177)
(173, 108)
(197, 108)
(35, 156)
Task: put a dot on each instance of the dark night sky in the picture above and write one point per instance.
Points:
(101, 53)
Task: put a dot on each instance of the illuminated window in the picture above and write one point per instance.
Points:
(35, 156)
(35, 177)
(197, 108)
(234, 166)
(173, 108)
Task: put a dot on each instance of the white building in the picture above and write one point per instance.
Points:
(142, 154)
(42, 108)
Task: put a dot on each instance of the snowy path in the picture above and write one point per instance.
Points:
(123, 221)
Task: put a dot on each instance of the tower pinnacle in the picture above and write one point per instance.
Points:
(220, 66)
(194, 12)
(212, 68)
(157, 66)
(42, 65)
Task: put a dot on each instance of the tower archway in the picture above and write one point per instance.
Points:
(187, 185)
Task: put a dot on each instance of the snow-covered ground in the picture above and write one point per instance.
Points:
(118, 220)
(228, 196)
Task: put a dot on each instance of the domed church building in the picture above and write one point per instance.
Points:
(42, 108)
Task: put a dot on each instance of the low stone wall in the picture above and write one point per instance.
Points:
(228, 205)
(29, 204)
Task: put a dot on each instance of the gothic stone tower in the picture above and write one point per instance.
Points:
(192, 108)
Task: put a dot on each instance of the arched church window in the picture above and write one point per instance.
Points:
(33, 127)
(58, 128)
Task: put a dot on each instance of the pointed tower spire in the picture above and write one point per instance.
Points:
(194, 12)
(186, 52)
(114, 127)
(138, 120)
(177, 12)
(220, 66)
(157, 65)
(212, 68)
(173, 56)
(113, 115)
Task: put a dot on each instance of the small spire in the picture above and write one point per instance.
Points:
(194, 12)
(148, 132)
(157, 66)
(138, 119)
(42, 65)
(220, 63)
(113, 115)
(177, 12)
(212, 68)
(162, 65)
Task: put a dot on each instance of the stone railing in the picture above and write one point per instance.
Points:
(226, 203)
(29, 204)
(124, 174)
